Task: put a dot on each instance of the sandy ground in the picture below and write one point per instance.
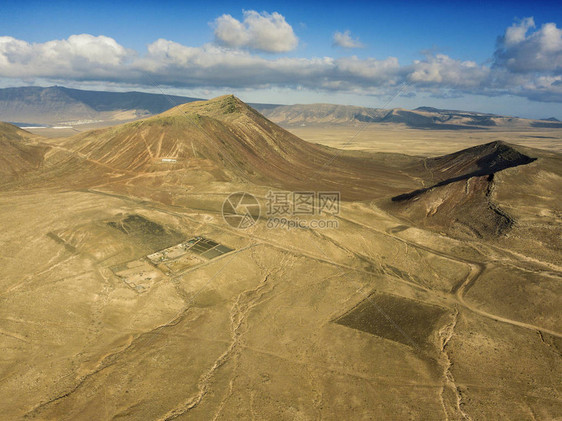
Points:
(394, 138)
(373, 318)
(261, 332)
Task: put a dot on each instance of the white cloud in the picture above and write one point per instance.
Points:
(442, 70)
(95, 56)
(527, 64)
(344, 40)
(174, 64)
(517, 31)
(258, 31)
(522, 52)
(367, 72)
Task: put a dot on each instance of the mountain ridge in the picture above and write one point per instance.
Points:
(472, 192)
(57, 105)
(419, 118)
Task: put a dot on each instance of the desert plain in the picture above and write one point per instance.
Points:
(125, 294)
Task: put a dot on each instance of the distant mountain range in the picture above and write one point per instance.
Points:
(59, 105)
(420, 118)
(56, 105)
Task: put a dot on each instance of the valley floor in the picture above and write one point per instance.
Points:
(394, 138)
(375, 319)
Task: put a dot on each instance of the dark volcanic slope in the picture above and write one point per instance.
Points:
(473, 162)
(459, 199)
(230, 140)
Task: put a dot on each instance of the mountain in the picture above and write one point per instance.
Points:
(420, 118)
(226, 140)
(472, 191)
(321, 114)
(229, 140)
(58, 105)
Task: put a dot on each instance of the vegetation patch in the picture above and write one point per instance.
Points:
(151, 235)
(395, 318)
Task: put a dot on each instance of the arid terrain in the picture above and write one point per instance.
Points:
(394, 138)
(125, 294)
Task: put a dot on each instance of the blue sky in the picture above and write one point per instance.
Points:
(445, 54)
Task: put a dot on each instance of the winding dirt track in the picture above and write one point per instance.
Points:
(476, 270)
(457, 293)
(245, 302)
(469, 281)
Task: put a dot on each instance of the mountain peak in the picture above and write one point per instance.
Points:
(220, 107)
(223, 98)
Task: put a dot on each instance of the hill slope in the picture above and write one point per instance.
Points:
(19, 153)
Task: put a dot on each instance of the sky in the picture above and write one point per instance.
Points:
(500, 57)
